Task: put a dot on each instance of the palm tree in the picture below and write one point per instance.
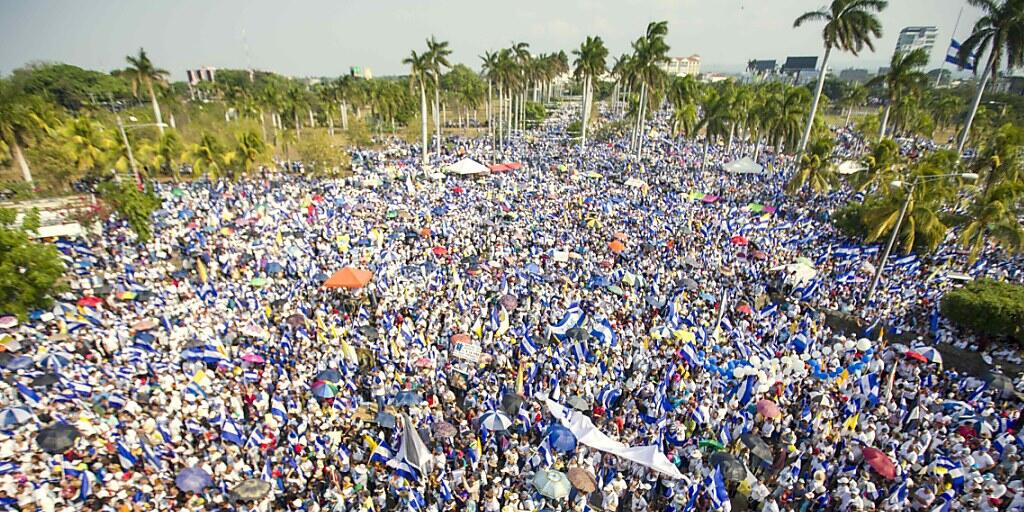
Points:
(716, 105)
(295, 101)
(209, 156)
(521, 61)
(849, 26)
(419, 66)
(1000, 31)
(994, 216)
(815, 169)
(589, 63)
(853, 96)
(23, 118)
(683, 96)
(166, 153)
(880, 167)
(649, 52)
(490, 62)
(437, 55)
(86, 143)
(903, 78)
(144, 74)
(250, 151)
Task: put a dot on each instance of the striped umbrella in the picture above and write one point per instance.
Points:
(495, 421)
(54, 360)
(14, 415)
(323, 389)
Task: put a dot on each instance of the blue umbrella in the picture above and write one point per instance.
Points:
(274, 268)
(193, 480)
(145, 337)
(14, 415)
(407, 398)
(561, 439)
(20, 363)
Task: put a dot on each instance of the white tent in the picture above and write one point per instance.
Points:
(468, 167)
(633, 182)
(744, 166)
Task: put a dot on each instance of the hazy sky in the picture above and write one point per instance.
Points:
(325, 37)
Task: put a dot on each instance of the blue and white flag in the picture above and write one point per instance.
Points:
(608, 396)
(603, 333)
(573, 317)
(745, 391)
(527, 345)
(149, 455)
(230, 432)
(869, 386)
(953, 56)
(125, 457)
(29, 396)
(719, 495)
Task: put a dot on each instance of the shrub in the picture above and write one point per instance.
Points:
(993, 309)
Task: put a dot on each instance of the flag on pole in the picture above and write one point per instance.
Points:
(953, 56)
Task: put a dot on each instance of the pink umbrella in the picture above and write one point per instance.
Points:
(768, 409)
(880, 462)
(423, 362)
(252, 358)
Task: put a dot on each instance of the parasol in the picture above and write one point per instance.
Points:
(880, 462)
(732, 468)
(193, 479)
(495, 421)
(552, 484)
(250, 490)
(57, 438)
(582, 479)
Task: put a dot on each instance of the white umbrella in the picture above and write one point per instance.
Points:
(552, 484)
(495, 421)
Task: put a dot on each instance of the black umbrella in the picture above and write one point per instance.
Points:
(510, 403)
(579, 403)
(655, 302)
(296, 320)
(368, 332)
(57, 438)
(250, 490)
(386, 420)
(688, 283)
(577, 334)
(44, 380)
(757, 446)
(1000, 383)
(732, 468)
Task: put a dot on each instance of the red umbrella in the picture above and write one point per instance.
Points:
(880, 462)
(460, 338)
(760, 255)
(916, 356)
(768, 409)
(90, 301)
(739, 240)
(458, 190)
(745, 309)
(440, 251)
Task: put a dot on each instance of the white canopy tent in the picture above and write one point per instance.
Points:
(850, 167)
(468, 167)
(744, 165)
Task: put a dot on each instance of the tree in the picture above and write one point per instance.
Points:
(29, 271)
(23, 118)
(683, 96)
(437, 57)
(880, 167)
(321, 156)
(209, 156)
(815, 170)
(489, 70)
(854, 95)
(86, 143)
(589, 63)
(133, 205)
(650, 51)
(166, 153)
(716, 105)
(250, 151)
(419, 67)
(144, 74)
(990, 308)
(850, 25)
(903, 79)
(994, 216)
(1000, 31)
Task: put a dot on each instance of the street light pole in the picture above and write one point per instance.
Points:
(128, 147)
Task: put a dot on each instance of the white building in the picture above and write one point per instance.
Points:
(912, 38)
(683, 66)
(204, 74)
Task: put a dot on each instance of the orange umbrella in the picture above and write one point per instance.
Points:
(616, 246)
(621, 236)
(425, 232)
(349, 277)
(460, 338)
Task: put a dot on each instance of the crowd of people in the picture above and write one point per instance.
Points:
(586, 331)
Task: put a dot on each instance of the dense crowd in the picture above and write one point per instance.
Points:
(588, 331)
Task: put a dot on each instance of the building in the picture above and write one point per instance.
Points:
(360, 72)
(683, 66)
(802, 69)
(204, 74)
(854, 75)
(912, 38)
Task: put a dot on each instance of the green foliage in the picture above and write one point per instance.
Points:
(134, 205)
(535, 111)
(322, 155)
(815, 170)
(990, 308)
(29, 271)
(17, 190)
(71, 87)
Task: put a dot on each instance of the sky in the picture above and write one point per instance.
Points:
(324, 37)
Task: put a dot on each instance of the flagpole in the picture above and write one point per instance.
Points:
(942, 66)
